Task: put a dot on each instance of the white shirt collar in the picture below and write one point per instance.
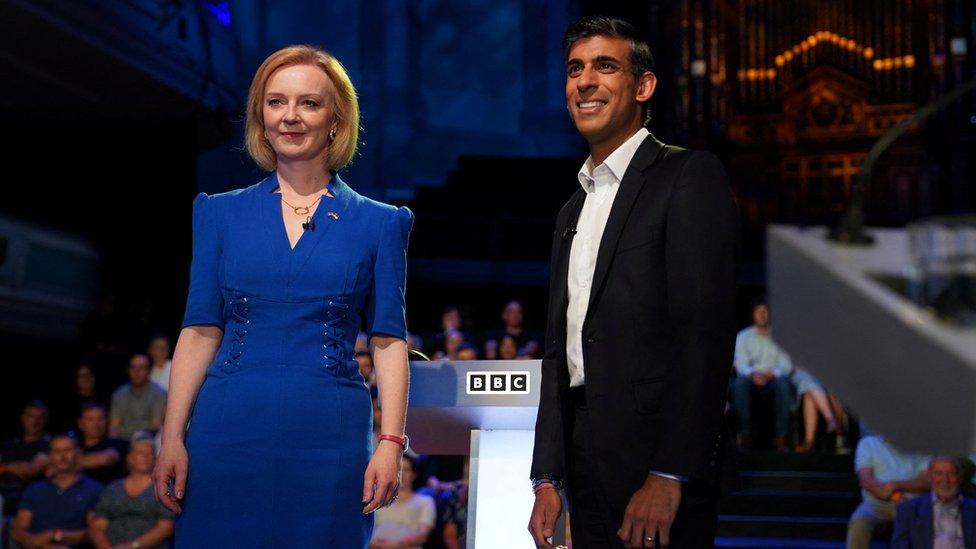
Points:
(617, 162)
(952, 503)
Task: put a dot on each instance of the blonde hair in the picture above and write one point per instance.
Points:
(342, 148)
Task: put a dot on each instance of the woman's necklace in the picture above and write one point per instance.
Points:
(302, 210)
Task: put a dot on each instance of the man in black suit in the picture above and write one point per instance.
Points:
(641, 318)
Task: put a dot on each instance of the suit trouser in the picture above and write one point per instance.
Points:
(866, 519)
(593, 522)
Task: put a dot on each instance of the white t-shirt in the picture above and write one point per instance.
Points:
(160, 376)
(404, 519)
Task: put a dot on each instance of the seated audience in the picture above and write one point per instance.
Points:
(453, 342)
(127, 514)
(365, 359)
(53, 511)
(137, 405)
(450, 322)
(23, 458)
(507, 348)
(84, 390)
(159, 351)
(455, 512)
(762, 366)
(467, 352)
(946, 519)
(415, 343)
(101, 456)
(410, 519)
(887, 476)
(377, 416)
(815, 400)
(512, 318)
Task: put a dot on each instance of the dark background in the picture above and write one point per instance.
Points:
(115, 114)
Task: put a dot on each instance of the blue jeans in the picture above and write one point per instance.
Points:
(784, 395)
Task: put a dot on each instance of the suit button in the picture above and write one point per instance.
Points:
(590, 340)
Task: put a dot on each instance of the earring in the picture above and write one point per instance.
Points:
(332, 134)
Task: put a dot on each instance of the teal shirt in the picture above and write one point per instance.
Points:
(759, 353)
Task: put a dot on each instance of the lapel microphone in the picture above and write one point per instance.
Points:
(309, 225)
(570, 231)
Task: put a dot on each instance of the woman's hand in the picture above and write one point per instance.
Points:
(171, 466)
(382, 480)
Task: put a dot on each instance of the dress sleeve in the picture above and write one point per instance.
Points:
(386, 309)
(204, 302)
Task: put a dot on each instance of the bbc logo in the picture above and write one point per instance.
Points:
(498, 383)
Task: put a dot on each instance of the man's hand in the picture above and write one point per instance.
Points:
(884, 491)
(650, 513)
(542, 524)
(759, 379)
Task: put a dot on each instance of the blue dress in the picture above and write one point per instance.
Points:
(280, 434)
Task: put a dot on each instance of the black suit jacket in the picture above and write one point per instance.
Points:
(659, 332)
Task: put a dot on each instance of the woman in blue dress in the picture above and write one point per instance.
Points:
(267, 435)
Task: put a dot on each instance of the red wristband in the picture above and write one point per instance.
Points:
(402, 441)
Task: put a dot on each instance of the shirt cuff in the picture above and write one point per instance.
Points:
(546, 479)
(679, 478)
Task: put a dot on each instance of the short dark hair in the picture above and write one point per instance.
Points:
(70, 435)
(758, 301)
(92, 405)
(418, 474)
(36, 403)
(640, 58)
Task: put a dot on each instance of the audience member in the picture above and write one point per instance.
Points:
(415, 343)
(453, 342)
(455, 512)
(887, 476)
(814, 399)
(65, 412)
(450, 323)
(410, 519)
(127, 513)
(467, 352)
(365, 359)
(762, 366)
(507, 348)
(53, 511)
(377, 416)
(944, 520)
(512, 319)
(159, 352)
(137, 405)
(101, 456)
(23, 458)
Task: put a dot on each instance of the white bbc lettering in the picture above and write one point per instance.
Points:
(518, 383)
(498, 383)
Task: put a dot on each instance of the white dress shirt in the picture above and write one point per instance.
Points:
(947, 524)
(601, 184)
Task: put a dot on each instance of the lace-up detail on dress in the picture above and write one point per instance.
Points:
(333, 333)
(240, 310)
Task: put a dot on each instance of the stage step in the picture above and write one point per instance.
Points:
(789, 501)
(783, 526)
